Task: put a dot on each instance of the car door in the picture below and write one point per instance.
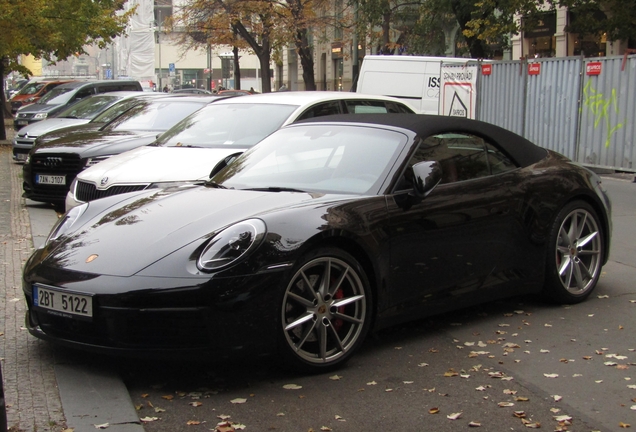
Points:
(452, 245)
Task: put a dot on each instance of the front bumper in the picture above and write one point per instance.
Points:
(165, 317)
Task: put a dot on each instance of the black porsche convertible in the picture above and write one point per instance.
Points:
(323, 231)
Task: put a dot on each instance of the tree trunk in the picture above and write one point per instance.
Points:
(3, 102)
(262, 51)
(463, 14)
(237, 69)
(306, 60)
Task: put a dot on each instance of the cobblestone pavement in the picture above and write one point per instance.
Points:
(31, 393)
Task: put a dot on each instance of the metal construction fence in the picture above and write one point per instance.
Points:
(584, 108)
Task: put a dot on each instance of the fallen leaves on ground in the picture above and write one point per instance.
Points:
(291, 387)
(454, 416)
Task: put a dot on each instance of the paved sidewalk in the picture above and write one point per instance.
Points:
(28, 367)
(47, 388)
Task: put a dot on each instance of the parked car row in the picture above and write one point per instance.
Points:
(295, 223)
(64, 95)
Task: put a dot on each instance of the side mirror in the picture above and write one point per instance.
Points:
(223, 163)
(426, 175)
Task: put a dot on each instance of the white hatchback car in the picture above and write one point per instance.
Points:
(188, 152)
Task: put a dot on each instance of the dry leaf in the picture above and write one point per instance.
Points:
(335, 377)
(454, 416)
(101, 426)
(196, 404)
(552, 375)
(193, 422)
(624, 425)
(480, 388)
(505, 404)
(372, 383)
(422, 364)
(159, 410)
(557, 398)
(238, 401)
(474, 424)
(292, 387)
(521, 399)
(223, 416)
(325, 428)
(337, 417)
(167, 397)
(148, 419)
(519, 414)
(433, 410)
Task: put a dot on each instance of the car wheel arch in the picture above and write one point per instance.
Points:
(600, 213)
(353, 248)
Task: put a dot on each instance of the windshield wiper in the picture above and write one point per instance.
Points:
(276, 189)
(215, 184)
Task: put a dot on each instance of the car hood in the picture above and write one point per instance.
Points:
(150, 164)
(42, 127)
(68, 132)
(38, 108)
(98, 143)
(140, 229)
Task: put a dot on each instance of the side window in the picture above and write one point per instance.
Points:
(322, 109)
(462, 156)
(84, 93)
(398, 108)
(108, 88)
(365, 107)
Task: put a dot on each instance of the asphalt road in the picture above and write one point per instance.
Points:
(511, 365)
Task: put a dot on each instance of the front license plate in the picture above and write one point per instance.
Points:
(63, 303)
(50, 179)
(22, 122)
(21, 156)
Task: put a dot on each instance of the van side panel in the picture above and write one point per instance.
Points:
(414, 79)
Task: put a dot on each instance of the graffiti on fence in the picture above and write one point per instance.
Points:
(601, 107)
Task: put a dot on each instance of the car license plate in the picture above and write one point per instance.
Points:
(22, 122)
(63, 303)
(50, 179)
(21, 156)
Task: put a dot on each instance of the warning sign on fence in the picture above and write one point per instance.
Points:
(458, 86)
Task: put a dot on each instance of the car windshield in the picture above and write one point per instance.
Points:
(154, 115)
(57, 96)
(88, 108)
(115, 111)
(317, 158)
(226, 124)
(31, 88)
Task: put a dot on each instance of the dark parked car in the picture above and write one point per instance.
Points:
(51, 166)
(65, 95)
(324, 230)
(78, 114)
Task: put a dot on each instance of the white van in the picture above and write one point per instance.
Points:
(414, 79)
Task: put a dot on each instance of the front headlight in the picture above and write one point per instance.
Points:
(232, 244)
(40, 116)
(65, 223)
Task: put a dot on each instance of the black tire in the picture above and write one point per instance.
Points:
(321, 326)
(574, 254)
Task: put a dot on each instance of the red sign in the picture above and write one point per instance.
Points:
(593, 68)
(486, 69)
(534, 68)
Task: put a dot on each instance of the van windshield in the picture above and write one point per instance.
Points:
(57, 96)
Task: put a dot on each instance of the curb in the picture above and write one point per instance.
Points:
(48, 388)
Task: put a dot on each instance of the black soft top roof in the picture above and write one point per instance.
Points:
(518, 148)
